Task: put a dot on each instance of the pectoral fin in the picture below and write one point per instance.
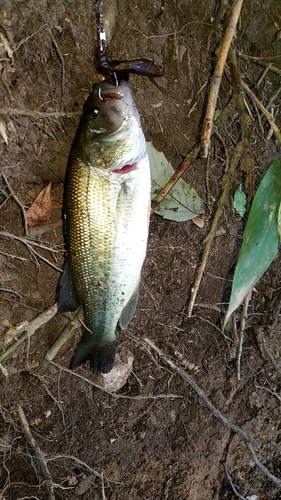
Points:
(66, 295)
(129, 310)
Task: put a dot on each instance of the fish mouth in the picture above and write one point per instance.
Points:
(112, 93)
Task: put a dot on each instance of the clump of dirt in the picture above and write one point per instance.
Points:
(154, 439)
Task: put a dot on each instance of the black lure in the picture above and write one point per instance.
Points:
(114, 71)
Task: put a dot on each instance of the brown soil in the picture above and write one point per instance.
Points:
(149, 449)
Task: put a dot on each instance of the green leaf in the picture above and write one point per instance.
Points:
(261, 237)
(217, 114)
(182, 203)
(239, 201)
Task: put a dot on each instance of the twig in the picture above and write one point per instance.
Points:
(31, 243)
(30, 327)
(170, 184)
(217, 414)
(229, 478)
(241, 334)
(24, 40)
(113, 394)
(209, 239)
(244, 116)
(14, 196)
(102, 487)
(38, 454)
(13, 292)
(266, 113)
(216, 80)
(75, 459)
(64, 336)
(37, 114)
(200, 393)
(260, 62)
(271, 357)
(35, 243)
(262, 467)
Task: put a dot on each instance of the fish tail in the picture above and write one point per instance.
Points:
(101, 354)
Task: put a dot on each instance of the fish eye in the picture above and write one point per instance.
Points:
(93, 111)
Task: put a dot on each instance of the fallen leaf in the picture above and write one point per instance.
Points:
(41, 209)
(182, 203)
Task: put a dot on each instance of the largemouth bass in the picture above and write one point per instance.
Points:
(106, 218)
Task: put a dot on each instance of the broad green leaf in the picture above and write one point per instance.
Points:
(239, 201)
(261, 237)
(182, 203)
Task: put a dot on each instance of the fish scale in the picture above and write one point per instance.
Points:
(106, 220)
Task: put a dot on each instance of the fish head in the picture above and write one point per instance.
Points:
(110, 129)
(105, 110)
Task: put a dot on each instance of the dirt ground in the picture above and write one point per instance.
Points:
(151, 448)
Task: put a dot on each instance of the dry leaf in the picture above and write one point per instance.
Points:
(41, 209)
(199, 221)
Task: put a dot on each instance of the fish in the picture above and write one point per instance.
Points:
(106, 221)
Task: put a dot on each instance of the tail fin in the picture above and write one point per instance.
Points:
(101, 354)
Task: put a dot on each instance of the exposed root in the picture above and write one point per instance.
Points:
(113, 394)
(39, 455)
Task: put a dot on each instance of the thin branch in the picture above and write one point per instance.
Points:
(30, 327)
(75, 459)
(38, 454)
(266, 113)
(170, 184)
(33, 243)
(209, 239)
(260, 61)
(216, 80)
(271, 357)
(13, 292)
(229, 478)
(262, 467)
(64, 336)
(27, 241)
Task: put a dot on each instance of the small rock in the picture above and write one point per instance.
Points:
(122, 369)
